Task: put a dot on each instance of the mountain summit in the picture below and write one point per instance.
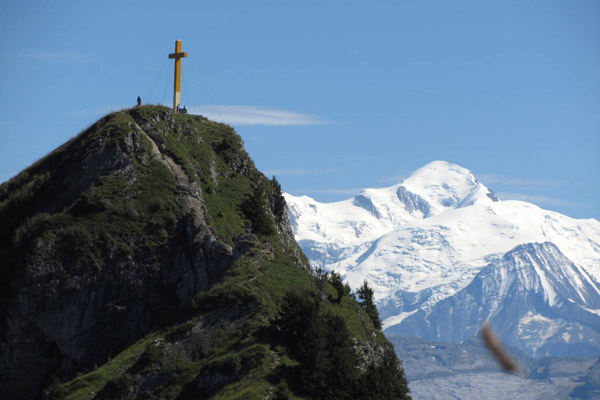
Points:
(423, 242)
(148, 258)
(443, 185)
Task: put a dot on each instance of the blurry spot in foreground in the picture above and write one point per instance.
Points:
(494, 344)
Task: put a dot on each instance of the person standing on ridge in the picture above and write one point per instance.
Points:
(139, 101)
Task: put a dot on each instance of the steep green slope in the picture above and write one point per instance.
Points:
(148, 258)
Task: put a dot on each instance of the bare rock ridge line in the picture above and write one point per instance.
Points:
(194, 205)
(192, 192)
(66, 326)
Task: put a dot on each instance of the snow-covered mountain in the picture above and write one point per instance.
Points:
(443, 254)
(534, 292)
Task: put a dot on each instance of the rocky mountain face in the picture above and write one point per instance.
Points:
(534, 297)
(443, 254)
(148, 258)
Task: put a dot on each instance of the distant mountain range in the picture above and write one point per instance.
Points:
(444, 254)
(450, 371)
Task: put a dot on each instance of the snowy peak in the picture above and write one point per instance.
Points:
(437, 187)
(425, 244)
(536, 299)
(541, 267)
(445, 185)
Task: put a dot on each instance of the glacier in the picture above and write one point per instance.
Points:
(443, 254)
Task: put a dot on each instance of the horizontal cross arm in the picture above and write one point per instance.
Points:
(178, 55)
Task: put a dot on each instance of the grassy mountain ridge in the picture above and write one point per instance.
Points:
(148, 258)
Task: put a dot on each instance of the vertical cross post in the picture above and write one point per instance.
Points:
(178, 55)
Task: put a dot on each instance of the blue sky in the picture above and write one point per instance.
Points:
(329, 96)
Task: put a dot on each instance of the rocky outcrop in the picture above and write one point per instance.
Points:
(63, 313)
(148, 258)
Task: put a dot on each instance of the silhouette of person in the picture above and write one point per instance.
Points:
(139, 101)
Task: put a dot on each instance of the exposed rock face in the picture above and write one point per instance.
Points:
(413, 201)
(147, 258)
(59, 315)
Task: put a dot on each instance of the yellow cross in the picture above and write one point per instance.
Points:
(178, 55)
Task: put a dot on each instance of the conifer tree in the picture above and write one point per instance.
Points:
(321, 343)
(385, 380)
(276, 186)
(365, 296)
(282, 391)
(336, 281)
(322, 278)
(254, 208)
(277, 200)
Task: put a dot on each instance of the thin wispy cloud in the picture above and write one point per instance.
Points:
(67, 57)
(540, 200)
(497, 179)
(256, 115)
(300, 171)
(94, 111)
